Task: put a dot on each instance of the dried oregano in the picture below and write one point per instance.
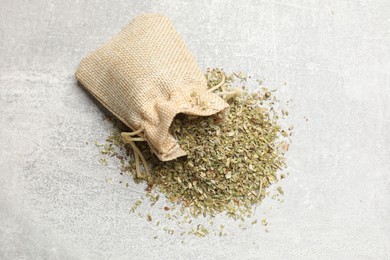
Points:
(232, 157)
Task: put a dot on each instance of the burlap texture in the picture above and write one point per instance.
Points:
(145, 75)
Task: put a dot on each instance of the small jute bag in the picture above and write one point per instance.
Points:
(145, 75)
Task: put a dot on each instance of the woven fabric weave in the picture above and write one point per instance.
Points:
(145, 75)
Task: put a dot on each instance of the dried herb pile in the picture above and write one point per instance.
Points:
(231, 160)
(233, 157)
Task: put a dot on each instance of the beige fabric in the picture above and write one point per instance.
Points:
(145, 75)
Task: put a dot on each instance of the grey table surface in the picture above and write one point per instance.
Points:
(333, 55)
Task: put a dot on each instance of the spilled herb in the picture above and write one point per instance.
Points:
(232, 157)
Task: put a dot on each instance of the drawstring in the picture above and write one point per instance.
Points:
(128, 138)
(227, 95)
(219, 84)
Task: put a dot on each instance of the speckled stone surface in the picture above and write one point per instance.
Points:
(334, 57)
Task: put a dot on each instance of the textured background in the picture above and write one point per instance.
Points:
(335, 58)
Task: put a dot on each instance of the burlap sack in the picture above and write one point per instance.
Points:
(145, 75)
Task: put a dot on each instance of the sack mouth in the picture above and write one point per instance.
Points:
(204, 104)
